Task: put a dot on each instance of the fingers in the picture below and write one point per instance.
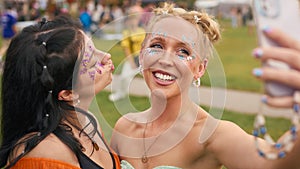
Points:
(287, 55)
(108, 67)
(288, 77)
(281, 38)
(279, 102)
(282, 102)
(288, 73)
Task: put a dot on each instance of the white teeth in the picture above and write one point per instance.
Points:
(164, 77)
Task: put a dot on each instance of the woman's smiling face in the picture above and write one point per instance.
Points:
(170, 56)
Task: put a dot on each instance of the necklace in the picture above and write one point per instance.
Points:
(144, 158)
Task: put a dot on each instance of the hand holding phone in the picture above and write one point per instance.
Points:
(284, 15)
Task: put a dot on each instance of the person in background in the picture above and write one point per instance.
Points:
(9, 29)
(52, 72)
(133, 37)
(175, 132)
(86, 21)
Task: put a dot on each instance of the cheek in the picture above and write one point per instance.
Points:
(150, 57)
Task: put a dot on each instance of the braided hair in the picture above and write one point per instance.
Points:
(40, 63)
(208, 28)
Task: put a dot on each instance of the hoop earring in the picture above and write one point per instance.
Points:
(141, 69)
(197, 82)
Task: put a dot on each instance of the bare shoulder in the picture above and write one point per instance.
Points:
(129, 121)
(53, 148)
(127, 126)
(228, 132)
(228, 126)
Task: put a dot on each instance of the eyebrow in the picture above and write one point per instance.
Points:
(158, 38)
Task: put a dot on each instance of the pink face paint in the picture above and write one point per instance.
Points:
(87, 57)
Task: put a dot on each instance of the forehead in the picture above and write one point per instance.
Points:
(176, 28)
(87, 39)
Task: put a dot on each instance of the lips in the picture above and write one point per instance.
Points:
(163, 78)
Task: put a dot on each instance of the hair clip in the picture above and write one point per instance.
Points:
(44, 43)
(197, 19)
(43, 21)
(165, 12)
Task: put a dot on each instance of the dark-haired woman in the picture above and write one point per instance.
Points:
(52, 72)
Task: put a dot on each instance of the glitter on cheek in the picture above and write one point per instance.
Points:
(83, 71)
(152, 52)
(92, 75)
(85, 62)
(190, 58)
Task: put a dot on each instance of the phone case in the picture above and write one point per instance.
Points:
(284, 15)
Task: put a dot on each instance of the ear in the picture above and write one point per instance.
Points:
(201, 69)
(67, 95)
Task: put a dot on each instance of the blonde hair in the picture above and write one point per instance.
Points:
(205, 22)
(208, 28)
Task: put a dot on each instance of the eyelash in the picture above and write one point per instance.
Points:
(156, 45)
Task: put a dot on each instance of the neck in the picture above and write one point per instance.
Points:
(168, 109)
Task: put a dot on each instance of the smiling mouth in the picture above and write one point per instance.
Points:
(164, 76)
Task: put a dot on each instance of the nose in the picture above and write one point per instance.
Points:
(103, 56)
(166, 59)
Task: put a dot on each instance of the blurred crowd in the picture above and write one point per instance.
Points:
(92, 13)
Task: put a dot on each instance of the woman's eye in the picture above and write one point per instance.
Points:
(183, 54)
(156, 46)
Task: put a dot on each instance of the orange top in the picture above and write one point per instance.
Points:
(46, 163)
(42, 163)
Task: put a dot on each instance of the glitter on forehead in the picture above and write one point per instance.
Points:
(189, 41)
(159, 33)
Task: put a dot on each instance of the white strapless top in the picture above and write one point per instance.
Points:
(127, 165)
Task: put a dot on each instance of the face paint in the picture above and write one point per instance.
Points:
(157, 49)
(86, 63)
(188, 41)
(158, 33)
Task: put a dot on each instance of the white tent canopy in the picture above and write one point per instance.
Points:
(236, 1)
(214, 3)
(206, 3)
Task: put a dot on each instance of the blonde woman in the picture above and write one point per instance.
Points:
(175, 132)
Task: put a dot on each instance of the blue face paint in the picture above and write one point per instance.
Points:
(188, 41)
(152, 52)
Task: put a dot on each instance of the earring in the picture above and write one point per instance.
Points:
(197, 82)
(76, 102)
(141, 69)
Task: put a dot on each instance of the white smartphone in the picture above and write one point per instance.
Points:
(284, 15)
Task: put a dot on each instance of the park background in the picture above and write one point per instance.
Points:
(234, 51)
